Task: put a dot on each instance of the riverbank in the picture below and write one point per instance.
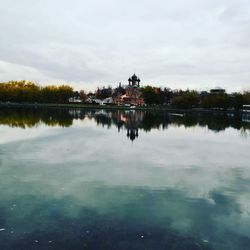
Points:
(115, 107)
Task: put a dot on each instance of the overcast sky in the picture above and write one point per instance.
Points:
(179, 43)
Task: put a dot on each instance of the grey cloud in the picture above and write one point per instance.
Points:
(92, 42)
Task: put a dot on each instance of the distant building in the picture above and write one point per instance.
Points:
(108, 100)
(217, 90)
(133, 95)
(75, 100)
(119, 91)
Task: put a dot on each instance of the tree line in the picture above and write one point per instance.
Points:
(29, 92)
(147, 120)
(194, 99)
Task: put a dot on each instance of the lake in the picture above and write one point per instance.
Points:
(98, 179)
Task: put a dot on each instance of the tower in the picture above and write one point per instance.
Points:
(134, 81)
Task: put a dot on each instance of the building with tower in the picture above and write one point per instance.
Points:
(133, 95)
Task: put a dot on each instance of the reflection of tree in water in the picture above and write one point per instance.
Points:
(103, 119)
(131, 121)
(245, 131)
(25, 117)
(154, 120)
(215, 122)
(219, 122)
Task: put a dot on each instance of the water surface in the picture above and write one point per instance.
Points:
(85, 179)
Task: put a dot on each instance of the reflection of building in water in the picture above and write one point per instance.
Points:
(131, 121)
(76, 114)
(246, 117)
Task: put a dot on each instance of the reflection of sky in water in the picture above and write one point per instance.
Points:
(66, 185)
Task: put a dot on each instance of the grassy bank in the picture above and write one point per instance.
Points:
(114, 107)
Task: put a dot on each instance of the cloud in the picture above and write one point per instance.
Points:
(176, 44)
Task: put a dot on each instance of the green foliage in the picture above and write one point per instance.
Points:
(221, 101)
(82, 95)
(246, 98)
(188, 99)
(103, 93)
(151, 96)
(236, 101)
(28, 92)
(26, 117)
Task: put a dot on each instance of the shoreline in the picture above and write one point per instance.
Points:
(115, 107)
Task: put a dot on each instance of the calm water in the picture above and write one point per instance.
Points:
(73, 179)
